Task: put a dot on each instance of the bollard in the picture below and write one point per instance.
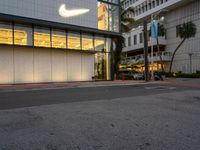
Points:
(122, 76)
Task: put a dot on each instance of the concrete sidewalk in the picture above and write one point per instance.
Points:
(43, 86)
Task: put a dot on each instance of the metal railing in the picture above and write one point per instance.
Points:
(166, 56)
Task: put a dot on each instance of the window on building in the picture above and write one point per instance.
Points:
(108, 44)
(135, 39)
(74, 41)
(150, 5)
(111, 1)
(87, 42)
(59, 38)
(99, 43)
(42, 37)
(177, 30)
(141, 38)
(129, 41)
(108, 17)
(153, 4)
(157, 2)
(6, 33)
(23, 35)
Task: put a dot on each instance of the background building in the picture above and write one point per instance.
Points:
(56, 40)
(174, 13)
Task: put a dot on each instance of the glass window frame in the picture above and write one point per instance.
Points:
(37, 27)
(80, 39)
(91, 37)
(63, 33)
(30, 35)
(117, 20)
(9, 26)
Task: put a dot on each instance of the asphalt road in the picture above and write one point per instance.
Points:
(28, 98)
(153, 117)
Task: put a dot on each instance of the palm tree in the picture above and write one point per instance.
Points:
(185, 31)
(126, 25)
(161, 32)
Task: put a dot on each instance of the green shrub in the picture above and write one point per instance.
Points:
(182, 75)
(198, 72)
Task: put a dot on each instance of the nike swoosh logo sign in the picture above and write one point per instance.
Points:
(71, 12)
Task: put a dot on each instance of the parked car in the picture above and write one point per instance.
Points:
(132, 75)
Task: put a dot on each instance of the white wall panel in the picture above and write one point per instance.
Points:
(74, 66)
(6, 64)
(42, 65)
(59, 65)
(36, 65)
(23, 64)
(87, 67)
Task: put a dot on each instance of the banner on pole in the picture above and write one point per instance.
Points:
(154, 30)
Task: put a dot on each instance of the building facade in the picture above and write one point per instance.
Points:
(57, 40)
(175, 13)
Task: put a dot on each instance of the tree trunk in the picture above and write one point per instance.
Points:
(117, 53)
(171, 63)
(161, 61)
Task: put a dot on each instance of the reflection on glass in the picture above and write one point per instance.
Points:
(59, 39)
(108, 17)
(100, 66)
(114, 18)
(87, 42)
(6, 34)
(23, 35)
(42, 37)
(74, 40)
(99, 44)
(108, 44)
(103, 16)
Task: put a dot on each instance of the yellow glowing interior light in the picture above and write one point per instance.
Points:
(6, 36)
(74, 42)
(100, 44)
(20, 37)
(103, 16)
(42, 39)
(87, 44)
(58, 41)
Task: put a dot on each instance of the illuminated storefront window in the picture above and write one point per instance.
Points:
(42, 37)
(108, 16)
(6, 33)
(102, 16)
(23, 35)
(74, 41)
(99, 44)
(59, 39)
(102, 58)
(87, 42)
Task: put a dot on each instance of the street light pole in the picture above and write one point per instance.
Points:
(146, 51)
(152, 62)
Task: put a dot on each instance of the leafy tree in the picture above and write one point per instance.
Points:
(184, 31)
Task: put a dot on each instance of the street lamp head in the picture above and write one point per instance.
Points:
(162, 18)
